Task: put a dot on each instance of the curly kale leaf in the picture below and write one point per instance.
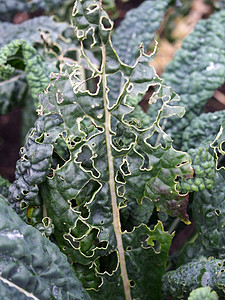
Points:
(9, 8)
(44, 34)
(208, 215)
(33, 167)
(35, 72)
(200, 273)
(196, 71)
(203, 164)
(32, 267)
(203, 128)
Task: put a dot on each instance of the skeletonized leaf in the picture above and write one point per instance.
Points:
(138, 28)
(111, 160)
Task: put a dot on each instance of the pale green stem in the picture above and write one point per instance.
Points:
(115, 210)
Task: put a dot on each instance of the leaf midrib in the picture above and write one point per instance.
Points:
(21, 290)
(115, 210)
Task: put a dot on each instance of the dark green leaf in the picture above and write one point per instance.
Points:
(203, 128)
(4, 187)
(196, 71)
(34, 165)
(200, 273)
(35, 72)
(32, 267)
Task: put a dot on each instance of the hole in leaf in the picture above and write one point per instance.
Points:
(40, 139)
(85, 157)
(156, 246)
(106, 24)
(222, 145)
(121, 191)
(129, 248)
(114, 81)
(125, 214)
(25, 157)
(89, 243)
(25, 192)
(77, 139)
(73, 203)
(46, 222)
(92, 82)
(108, 263)
(130, 87)
(61, 149)
(92, 7)
(80, 229)
(119, 177)
(57, 161)
(74, 244)
(70, 54)
(143, 238)
(87, 192)
(125, 168)
(23, 205)
(132, 283)
(217, 212)
(51, 174)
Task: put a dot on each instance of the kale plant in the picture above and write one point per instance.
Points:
(99, 183)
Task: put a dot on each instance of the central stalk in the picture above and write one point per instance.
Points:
(115, 210)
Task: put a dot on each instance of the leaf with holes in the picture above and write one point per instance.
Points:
(102, 160)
